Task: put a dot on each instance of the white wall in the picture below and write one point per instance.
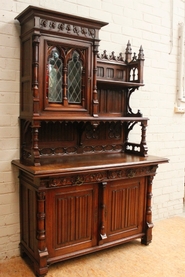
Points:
(143, 22)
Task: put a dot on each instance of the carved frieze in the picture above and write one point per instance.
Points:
(76, 180)
(67, 28)
(131, 172)
(80, 179)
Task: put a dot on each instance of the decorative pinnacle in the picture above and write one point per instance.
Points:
(141, 53)
(128, 52)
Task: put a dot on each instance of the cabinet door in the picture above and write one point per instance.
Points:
(125, 208)
(71, 221)
(67, 76)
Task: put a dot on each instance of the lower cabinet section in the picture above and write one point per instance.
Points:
(62, 218)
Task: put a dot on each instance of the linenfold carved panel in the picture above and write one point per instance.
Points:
(68, 215)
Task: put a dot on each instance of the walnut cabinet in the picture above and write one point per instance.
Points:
(84, 185)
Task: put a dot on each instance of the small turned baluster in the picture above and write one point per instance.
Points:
(35, 147)
(144, 148)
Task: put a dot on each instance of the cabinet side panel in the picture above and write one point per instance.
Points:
(111, 101)
(26, 97)
(28, 217)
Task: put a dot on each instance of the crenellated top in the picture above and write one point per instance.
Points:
(128, 55)
(125, 70)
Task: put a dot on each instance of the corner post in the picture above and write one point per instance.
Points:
(41, 267)
(147, 238)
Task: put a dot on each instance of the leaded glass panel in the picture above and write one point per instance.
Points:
(74, 79)
(55, 66)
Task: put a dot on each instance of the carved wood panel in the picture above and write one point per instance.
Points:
(28, 217)
(71, 211)
(73, 218)
(125, 208)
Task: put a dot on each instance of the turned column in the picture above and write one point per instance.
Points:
(147, 238)
(103, 212)
(95, 94)
(35, 73)
(41, 267)
(144, 148)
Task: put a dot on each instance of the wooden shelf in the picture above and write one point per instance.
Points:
(119, 83)
(90, 118)
(75, 164)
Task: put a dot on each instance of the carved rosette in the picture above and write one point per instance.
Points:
(76, 180)
(80, 179)
(131, 172)
(67, 28)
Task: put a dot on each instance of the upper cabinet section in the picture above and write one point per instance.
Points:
(63, 76)
(59, 61)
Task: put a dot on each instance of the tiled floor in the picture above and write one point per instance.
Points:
(164, 257)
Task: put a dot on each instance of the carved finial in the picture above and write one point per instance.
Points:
(128, 52)
(141, 54)
(112, 56)
(104, 55)
(134, 57)
(120, 57)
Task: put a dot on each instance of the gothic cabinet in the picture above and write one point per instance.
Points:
(84, 186)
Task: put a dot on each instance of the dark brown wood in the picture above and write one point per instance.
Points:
(84, 186)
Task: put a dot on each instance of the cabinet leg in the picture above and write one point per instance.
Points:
(147, 238)
(40, 272)
(39, 267)
(145, 241)
(22, 252)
